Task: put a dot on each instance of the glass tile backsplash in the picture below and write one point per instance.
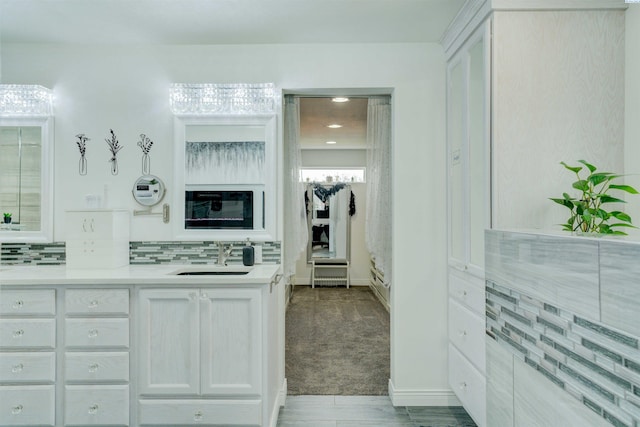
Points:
(165, 252)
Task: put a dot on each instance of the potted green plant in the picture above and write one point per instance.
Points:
(588, 214)
(7, 218)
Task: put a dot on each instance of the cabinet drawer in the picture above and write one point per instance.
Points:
(92, 333)
(28, 302)
(27, 406)
(28, 333)
(468, 384)
(103, 366)
(99, 225)
(200, 412)
(469, 291)
(96, 301)
(467, 333)
(27, 367)
(96, 405)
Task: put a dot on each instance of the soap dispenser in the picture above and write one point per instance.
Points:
(247, 254)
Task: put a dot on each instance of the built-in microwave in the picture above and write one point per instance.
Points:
(224, 207)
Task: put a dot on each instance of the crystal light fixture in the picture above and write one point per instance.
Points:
(25, 101)
(223, 98)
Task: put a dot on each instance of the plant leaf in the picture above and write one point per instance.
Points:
(605, 198)
(622, 224)
(564, 202)
(591, 167)
(582, 185)
(621, 216)
(598, 178)
(575, 169)
(627, 188)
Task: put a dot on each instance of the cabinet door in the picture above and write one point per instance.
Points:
(231, 342)
(169, 341)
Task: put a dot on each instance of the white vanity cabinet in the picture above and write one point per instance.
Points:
(27, 357)
(96, 357)
(201, 353)
(97, 238)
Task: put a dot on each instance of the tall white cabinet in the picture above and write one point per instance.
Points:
(468, 215)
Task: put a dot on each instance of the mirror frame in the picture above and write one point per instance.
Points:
(45, 234)
(271, 196)
(310, 258)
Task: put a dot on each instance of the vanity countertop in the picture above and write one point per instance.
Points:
(156, 274)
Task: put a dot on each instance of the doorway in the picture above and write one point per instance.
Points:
(337, 337)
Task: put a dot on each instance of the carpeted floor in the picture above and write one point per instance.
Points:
(337, 342)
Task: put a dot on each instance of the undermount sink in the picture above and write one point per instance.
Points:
(212, 271)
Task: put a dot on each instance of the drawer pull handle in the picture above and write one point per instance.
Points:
(18, 334)
(18, 304)
(463, 385)
(93, 409)
(17, 368)
(197, 416)
(93, 303)
(93, 333)
(93, 367)
(463, 333)
(464, 294)
(204, 296)
(15, 410)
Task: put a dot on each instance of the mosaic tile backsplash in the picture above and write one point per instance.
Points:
(592, 357)
(167, 252)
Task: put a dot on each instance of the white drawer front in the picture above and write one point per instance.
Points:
(200, 412)
(469, 385)
(103, 225)
(469, 291)
(99, 366)
(27, 367)
(27, 333)
(18, 302)
(92, 333)
(27, 406)
(96, 405)
(467, 332)
(96, 301)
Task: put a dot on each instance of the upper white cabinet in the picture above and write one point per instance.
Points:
(468, 152)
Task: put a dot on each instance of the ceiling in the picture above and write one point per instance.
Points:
(181, 22)
(224, 21)
(318, 113)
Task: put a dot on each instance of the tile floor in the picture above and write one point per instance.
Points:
(366, 411)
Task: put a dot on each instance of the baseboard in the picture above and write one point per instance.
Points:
(378, 295)
(414, 397)
(282, 397)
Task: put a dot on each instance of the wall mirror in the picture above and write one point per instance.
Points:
(329, 221)
(225, 178)
(26, 179)
(148, 190)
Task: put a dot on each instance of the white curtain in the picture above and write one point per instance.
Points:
(295, 214)
(378, 218)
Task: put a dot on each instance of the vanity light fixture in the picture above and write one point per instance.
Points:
(25, 101)
(340, 99)
(223, 98)
(334, 126)
(331, 142)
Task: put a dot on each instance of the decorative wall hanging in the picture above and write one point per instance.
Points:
(145, 144)
(82, 146)
(223, 99)
(114, 147)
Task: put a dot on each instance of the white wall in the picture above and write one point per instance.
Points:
(126, 88)
(632, 112)
(558, 96)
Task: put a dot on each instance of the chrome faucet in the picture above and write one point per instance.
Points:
(224, 253)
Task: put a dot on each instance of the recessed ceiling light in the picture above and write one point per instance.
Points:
(334, 126)
(340, 99)
(331, 142)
